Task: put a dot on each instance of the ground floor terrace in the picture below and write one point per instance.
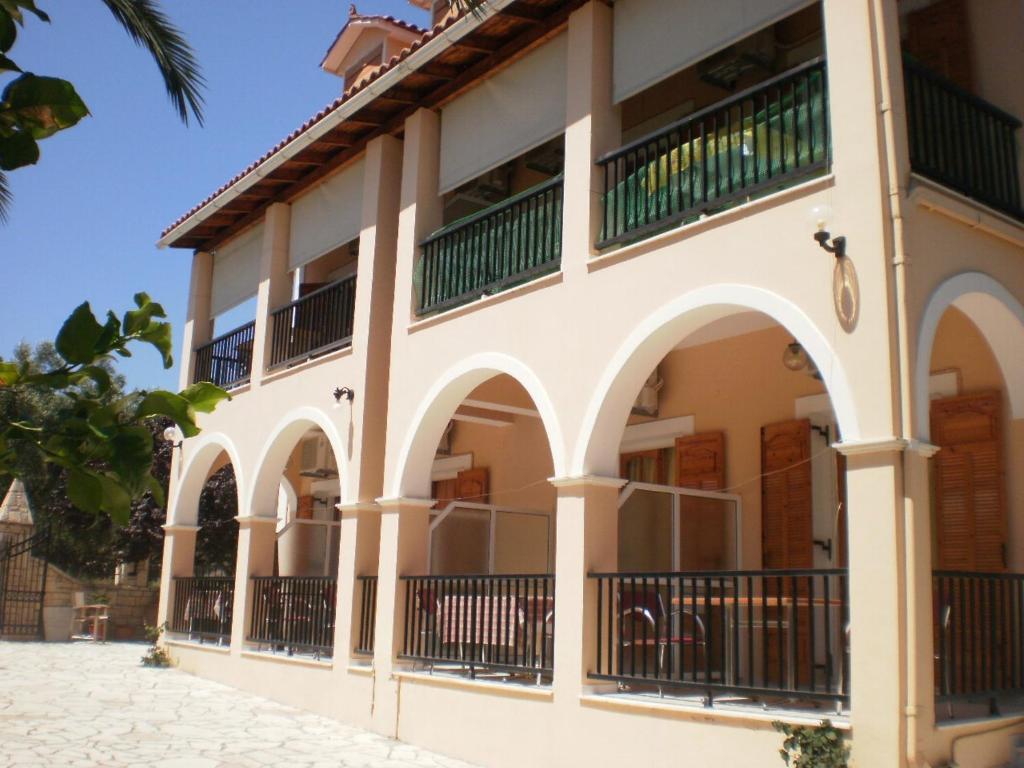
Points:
(741, 558)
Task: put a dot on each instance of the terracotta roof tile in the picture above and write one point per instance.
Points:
(425, 37)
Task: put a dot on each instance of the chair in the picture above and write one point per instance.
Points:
(94, 616)
(640, 608)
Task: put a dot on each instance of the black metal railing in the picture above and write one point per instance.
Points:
(203, 607)
(293, 613)
(317, 323)
(760, 140)
(961, 141)
(367, 614)
(503, 623)
(979, 634)
(490, 251)
(227, 360)
(778, 633)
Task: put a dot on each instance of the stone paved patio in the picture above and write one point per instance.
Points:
(67, 704)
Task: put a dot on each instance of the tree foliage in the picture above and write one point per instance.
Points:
(820, 747)
(101, 441)
(34, 107)
(217, 541)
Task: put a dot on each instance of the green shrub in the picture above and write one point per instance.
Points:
(155, 655)
(822, 746)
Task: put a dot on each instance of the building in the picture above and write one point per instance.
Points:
(620, 378)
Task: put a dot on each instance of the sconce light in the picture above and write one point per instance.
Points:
(794, 356)
(837, 246)
(346, 392)
(171, 436)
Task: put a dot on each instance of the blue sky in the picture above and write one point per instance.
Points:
(86, 219)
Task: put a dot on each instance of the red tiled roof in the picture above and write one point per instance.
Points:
(425, 38)
(407, 26)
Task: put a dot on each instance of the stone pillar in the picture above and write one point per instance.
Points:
(257, 537)
(375, 290)
(877, 580)
(199, 321)
(920, 706)
(360, 548)
(274, 288)
(178, 560)
(593, 127)
(420, 206)
(587, 533)
(404, 525)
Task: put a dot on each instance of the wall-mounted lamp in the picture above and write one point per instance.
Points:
(171, 436)
(821, 215)
(796, 359)
(346, 392)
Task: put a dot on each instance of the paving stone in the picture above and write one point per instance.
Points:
(89, 705)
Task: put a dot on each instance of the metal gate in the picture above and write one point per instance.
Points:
(22, 585)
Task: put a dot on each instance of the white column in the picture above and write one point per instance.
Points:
(178, 560)
(274, 287)
(593, 127)
(257, 537)
(198, 322)
(587, 534)
(420, 206)
(404, 525)
(878, 626)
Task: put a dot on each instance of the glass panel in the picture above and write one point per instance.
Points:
(645, 532)
(521, 543)
(707, 534)
(459, 544)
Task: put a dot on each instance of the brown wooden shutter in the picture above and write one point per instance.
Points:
(644, 466)
(700, 461)
(472, 485)
(938, 37)
(304, 510)
(443, 492)
(970, 505)
(786, 504)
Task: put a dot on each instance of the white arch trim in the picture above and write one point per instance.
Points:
(277, 449)
(412, 475)
(998, 315)
(596, 450)
(203, 452)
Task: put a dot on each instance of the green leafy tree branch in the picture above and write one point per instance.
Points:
(34, 107)
(102, 442)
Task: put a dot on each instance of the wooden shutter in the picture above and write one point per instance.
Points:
(970, 505)
(472, 485)
(938, 37)
(786, 505)
(700, 461)
(644, 466)
(444, 491)
(305, 508)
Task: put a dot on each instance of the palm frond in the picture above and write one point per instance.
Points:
(150, 28)
(6, 198)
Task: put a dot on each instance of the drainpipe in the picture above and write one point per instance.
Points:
(904, 370)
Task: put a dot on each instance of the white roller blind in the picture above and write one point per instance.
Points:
(236, 270)
(655, 38)
(517, 109)
(328, 215)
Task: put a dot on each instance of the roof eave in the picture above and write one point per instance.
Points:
(444, 39)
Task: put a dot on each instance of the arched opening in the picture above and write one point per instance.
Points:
(731, 531)
(485, 601)
(294, 574)
(971, 345)
(208, 497)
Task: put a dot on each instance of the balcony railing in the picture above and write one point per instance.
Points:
(760, 140)
(501, 623)
(490, 251)
(961, 141)
(293, 614)
(367, 614)
(766, 634)
(227, 360)
(202, 608)
(979, 634)
(314, 324)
